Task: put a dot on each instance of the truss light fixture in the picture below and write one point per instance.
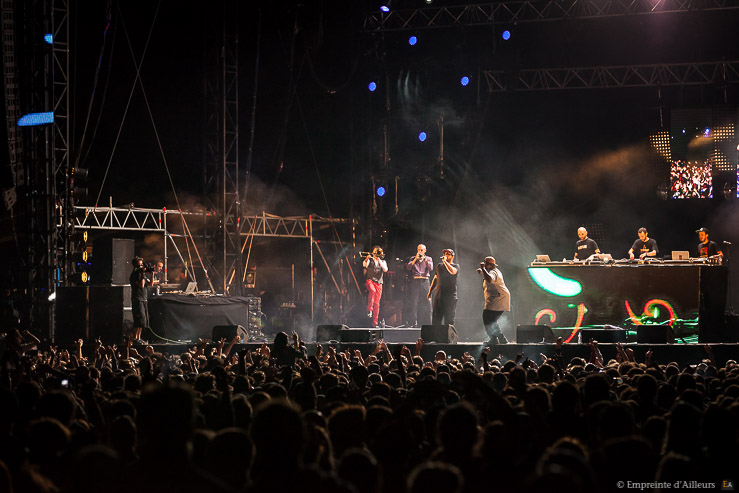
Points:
(380, 191)
(384, 8)
(422, 136)
(506, 35)
(412, 40)
(49, 38)
(464, 80)
(372, 86)
(32, 119)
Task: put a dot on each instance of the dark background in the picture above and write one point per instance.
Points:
(522, 170)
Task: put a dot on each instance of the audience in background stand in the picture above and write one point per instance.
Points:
(95, 418)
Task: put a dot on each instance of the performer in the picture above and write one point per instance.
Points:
(139, 304)
(445, 285)
(644, 246)
(497, 300)
(585, 247)
(421, 268)
(707, 248)
(374, 267)
(157, 276)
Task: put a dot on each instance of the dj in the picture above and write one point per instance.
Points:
(707, 248)
(644, 246)
(585, 247)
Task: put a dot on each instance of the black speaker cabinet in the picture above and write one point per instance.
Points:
(110, 313)
(111, 261)
(71, 314)
(654, 334)
(228, 332)
(326, 333)
(436, 333)
(534, 334)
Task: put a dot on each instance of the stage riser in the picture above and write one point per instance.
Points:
(683, 354)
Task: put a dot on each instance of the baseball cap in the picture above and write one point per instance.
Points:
(448, 250)
(702, 230)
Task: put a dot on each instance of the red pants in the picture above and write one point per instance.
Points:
(373, 299)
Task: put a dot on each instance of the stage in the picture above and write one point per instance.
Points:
(683, 354)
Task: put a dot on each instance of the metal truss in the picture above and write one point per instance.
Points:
(675, 74)
(284, 227)
(530, 11)
(12, 100)
(60, 137)
(221, 136)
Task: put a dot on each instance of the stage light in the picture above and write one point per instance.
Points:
(706, 131)
(380, 191)
(422, 136)
(506, 35)
(412, 40)
(49, 38)
(384, 8)
(464, 80)
(32, 119)
(52, 296)
(372, 86)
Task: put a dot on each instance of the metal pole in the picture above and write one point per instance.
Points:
(166, 268)
(312, 281)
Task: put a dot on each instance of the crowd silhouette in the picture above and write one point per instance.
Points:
(95, 418)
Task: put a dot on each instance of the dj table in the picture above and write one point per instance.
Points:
(688, 296)
(188, 317)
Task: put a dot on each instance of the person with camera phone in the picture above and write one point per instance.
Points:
(139, 296)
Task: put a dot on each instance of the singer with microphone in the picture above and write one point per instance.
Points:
(445, 286)
(374, 267)
(420, 266)
(497, 299)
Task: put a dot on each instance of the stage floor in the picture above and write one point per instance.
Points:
(683, 354)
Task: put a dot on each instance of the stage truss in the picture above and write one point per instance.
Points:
(256, 225)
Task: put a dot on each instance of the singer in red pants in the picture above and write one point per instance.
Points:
(374, 267)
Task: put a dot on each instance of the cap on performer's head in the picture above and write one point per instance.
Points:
(448, 250)
(702, 230)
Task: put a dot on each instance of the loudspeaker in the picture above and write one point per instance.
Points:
(535, 334)
(110, 312)
(443, 333)
(326, 333)
(111, 261)
(654, 334)
(229, 332)
(72, 314)
(360, 335)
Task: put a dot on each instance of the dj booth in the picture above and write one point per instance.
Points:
(689, 297)
(188, 317)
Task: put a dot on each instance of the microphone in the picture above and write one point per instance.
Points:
(726, 242)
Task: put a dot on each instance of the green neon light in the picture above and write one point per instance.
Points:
(552, 283)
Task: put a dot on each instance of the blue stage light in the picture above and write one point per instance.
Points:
(412, 40)
(464, 80)
(422, 136)
(372, 86)
(49, 38)
(506, 35)
(384, 8)
(31, 119)
(380, 191)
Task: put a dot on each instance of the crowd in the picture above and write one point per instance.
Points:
(690, 180)
(95, 418)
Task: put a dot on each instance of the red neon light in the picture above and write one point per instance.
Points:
(547, 311)
(578, 323)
